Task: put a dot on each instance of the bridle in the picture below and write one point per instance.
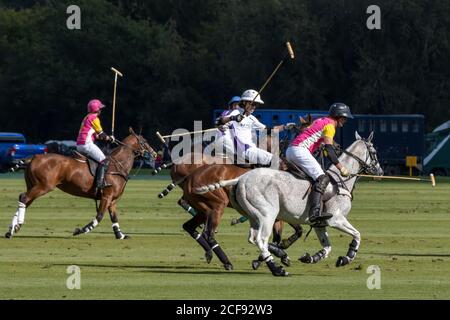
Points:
(370, 168)
(143, 151)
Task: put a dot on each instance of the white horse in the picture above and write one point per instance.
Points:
(264, 195)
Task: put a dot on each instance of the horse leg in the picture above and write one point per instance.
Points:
(115, 222)
(286, 243)
(212, 222)
(341, 223)
(321, 254)
(104, 203)
(25, 200)
(262, 241)
(190, 227)
(185, 205)
(274, 246)
(241, 219)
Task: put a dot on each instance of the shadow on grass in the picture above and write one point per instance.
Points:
(441, 255)
(162, 269)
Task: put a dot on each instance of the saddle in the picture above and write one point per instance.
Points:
(92, 164)
(295, 170)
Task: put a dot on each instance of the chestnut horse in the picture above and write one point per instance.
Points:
(46, 172)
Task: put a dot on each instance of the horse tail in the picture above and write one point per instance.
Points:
(21, 164)
(163, 166)
(214, 186)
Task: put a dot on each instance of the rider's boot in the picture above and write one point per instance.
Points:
(101, 169)
(318, 189)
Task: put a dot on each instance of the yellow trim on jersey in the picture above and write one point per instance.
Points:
(329, 131)
(96, 125)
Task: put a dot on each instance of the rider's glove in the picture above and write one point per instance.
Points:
(289, 126)
(344, 171)
(237, 118)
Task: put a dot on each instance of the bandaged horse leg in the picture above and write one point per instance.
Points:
(345, 226)
(286, 243)
(190, 227)
(115, 222)
(17, 221)
(213, 219)
(104, 203)
(262, 241)
(322, 234)
(241, 219)
(185, 205)
(25, 200)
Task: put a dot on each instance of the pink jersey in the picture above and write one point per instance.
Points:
(312, 137)
(89, 126)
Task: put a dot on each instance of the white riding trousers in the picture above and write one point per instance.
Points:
(303, 158)
(92, 151)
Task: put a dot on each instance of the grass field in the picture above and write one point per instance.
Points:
(405, 230)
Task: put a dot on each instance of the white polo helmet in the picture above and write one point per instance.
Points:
(251, 95)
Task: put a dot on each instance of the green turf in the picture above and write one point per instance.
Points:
(405, 230)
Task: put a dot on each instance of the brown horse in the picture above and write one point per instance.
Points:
(46, 172)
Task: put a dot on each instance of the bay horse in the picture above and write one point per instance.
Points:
(46, 172)
(264, 195)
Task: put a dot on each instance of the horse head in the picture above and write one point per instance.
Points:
(139, 145)
(369, 162)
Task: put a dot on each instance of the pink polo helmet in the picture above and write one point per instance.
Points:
(95, 105)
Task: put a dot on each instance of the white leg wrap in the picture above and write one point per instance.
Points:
(21, 212)
(94, 222)
(14, 223)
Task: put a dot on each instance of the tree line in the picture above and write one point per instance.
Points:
(181, 59)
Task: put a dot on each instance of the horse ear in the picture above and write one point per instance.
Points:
(369, 139)
(302, 121)
(357, 136)
(130, 129)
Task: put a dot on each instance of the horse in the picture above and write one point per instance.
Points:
(46, 172)
(208, 208)
(264, 195)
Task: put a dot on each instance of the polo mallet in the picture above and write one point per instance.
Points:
(432, 179)
(289, 54)
(116, 72)
(162, 138)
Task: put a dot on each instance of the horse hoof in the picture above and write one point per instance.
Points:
(77, 232)
(208, 256)
(286, 261)
(127, 237)
(234, 221)
(228, 266)
(342, 261)
(8, 235)
(306, 258)
(256, 264)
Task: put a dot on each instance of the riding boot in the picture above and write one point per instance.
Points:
(315, 214)
(101, 169)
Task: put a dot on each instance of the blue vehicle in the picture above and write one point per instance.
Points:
(13, 148)
(396, 136)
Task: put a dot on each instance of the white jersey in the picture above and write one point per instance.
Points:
(242, 131)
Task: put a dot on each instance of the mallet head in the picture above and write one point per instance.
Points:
(116, 71)
(290, 50)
